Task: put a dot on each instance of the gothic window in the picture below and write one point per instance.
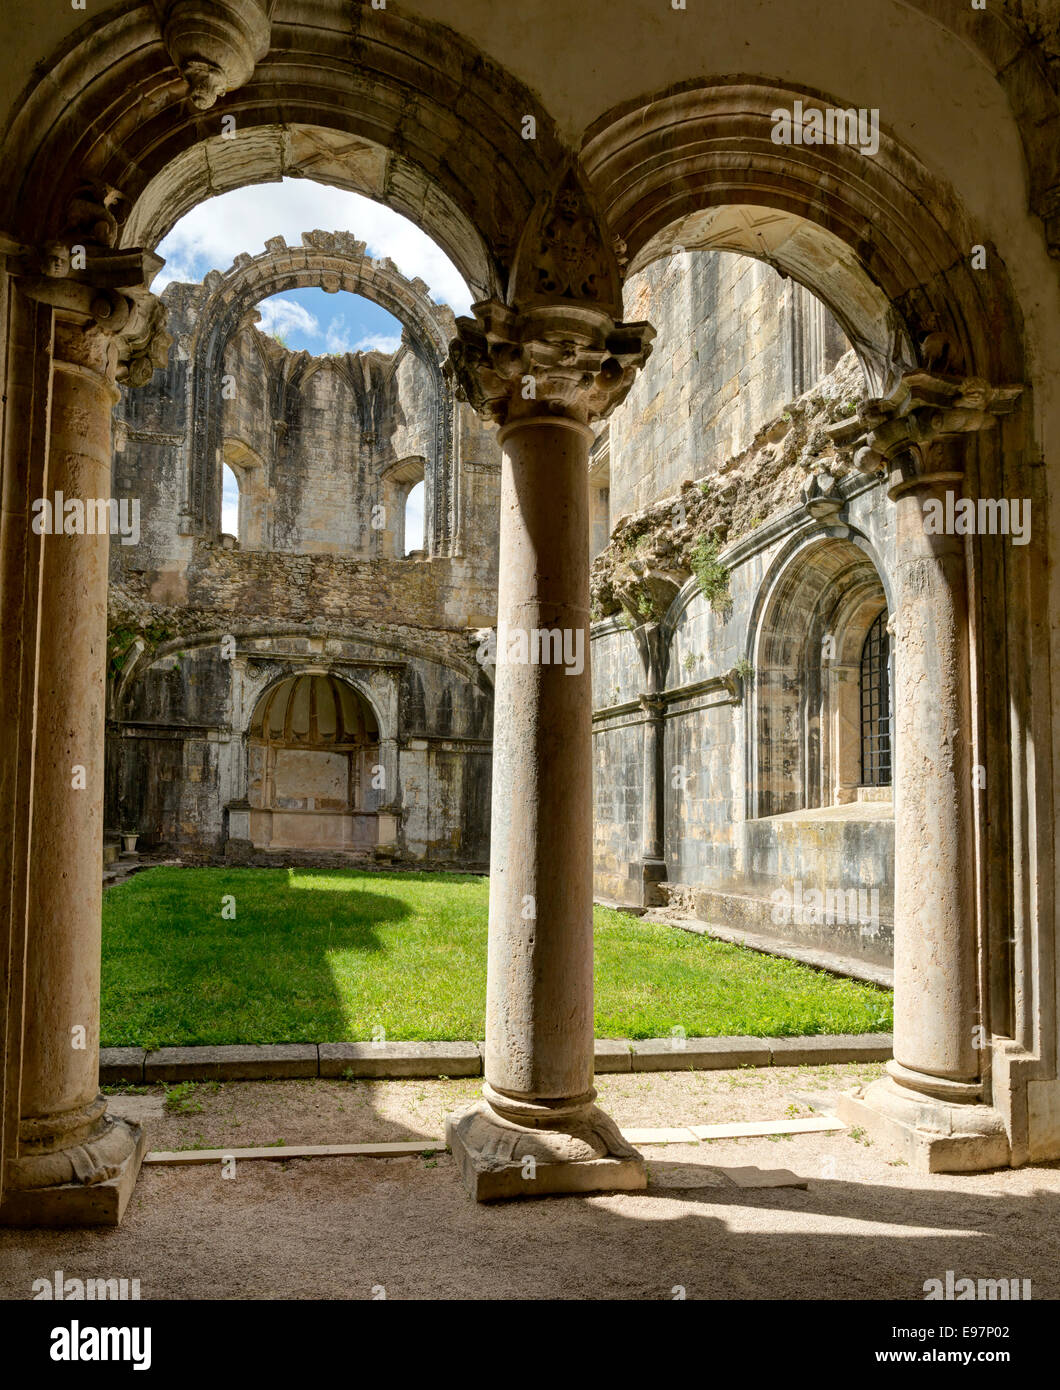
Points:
(876, 705)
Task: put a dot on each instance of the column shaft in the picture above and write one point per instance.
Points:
(934, 910)
(66, 856)
(75, 1165)
(539, 1018)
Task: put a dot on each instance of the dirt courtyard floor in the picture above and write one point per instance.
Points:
(866, 1227)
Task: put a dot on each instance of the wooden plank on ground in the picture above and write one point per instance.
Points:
(748, 1129)
(390, 1150)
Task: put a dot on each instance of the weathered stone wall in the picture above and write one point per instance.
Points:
(734, 342)
(317, 444)
(711, 470)
(714, 425)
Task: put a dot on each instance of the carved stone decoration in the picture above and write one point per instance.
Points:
(569, 360)
(564, 256)
(821, 495)
(104, 287)
(214, 43)
(1047, 206)
(904, 427)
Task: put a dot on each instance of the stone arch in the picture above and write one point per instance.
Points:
(333, 261)
(814, 610)
(863, 233)
(872, 237)
(383, 103)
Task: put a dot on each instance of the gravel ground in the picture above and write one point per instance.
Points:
(865, 1228)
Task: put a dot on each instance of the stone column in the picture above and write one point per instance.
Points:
(653, 805)
(654, 706)
(539, 1011)
(934, 892)
(542, 376)
(932, 1101)
(74, 1164)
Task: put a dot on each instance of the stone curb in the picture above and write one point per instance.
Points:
(278, 1061)
(281, 1061)
(398, 1059)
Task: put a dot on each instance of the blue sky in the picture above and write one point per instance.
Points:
(216, 231)
(320, 322)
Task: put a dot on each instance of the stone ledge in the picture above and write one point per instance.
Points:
(611, 1055)
(398, 1059)
(432, 1059)
(700, 1054)
(121, 1064)
(279, 1060)
(830, 1048)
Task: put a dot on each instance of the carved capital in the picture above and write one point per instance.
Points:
(918, 433)
(105, 291)
(215, 44)
(653, 705)
(563, 359)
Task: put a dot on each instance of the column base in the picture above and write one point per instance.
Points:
(583, 1152)
(652, 874)
(932, 1135)
(88, 1184)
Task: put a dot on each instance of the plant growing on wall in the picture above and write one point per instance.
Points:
(711, 574)
(120, 642)
(745, 670)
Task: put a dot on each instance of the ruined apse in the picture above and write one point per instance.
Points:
(303, 687)
(740, 643)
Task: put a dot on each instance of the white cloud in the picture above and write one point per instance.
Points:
(339, 339)
(377, 342)
(214, 233)
(285, 316)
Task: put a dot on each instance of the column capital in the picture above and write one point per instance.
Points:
(566, 359)
(654, 705)
(555, 347)
(103, 292)
(918, 432)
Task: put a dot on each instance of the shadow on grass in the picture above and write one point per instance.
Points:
(235, 956)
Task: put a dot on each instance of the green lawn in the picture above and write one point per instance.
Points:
(317, 955)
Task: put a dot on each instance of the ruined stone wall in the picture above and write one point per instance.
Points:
(315, 443)
(734, 343)
(725, 478)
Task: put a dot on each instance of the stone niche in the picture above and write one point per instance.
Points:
(313, 745)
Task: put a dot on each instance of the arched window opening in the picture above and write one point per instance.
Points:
(876, 705)
(822, 705)
(230, 518)
(414, 518)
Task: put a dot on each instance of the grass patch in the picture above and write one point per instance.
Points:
(321, 955)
